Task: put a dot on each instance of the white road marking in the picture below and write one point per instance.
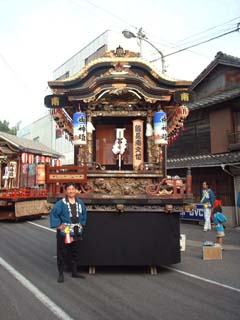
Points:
(203, 279)
(44, 299)
(170, 268)
(40, 226)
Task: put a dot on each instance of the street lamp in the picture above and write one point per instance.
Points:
(141, 36)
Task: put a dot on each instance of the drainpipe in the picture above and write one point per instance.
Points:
(234, 185)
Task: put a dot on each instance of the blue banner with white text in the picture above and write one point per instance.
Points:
(196, 214)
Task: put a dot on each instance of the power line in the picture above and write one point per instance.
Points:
(178, 45)
(208, 29)
(110, 13)
(173, 45)
(194, 52)
(199, 43)
(202, 37)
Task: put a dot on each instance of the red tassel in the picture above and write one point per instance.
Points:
(68, 239)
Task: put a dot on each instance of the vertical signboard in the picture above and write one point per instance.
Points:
(138, 151)
(79, 128)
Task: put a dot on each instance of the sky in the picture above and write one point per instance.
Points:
(38, 36)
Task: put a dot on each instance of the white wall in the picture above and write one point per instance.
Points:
(44, 130)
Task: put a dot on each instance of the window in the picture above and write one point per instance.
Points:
(237, 121)
(58, 133)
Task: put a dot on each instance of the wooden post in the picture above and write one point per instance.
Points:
(0, 174)
(89, 141)
(189, 181)
(76, 158)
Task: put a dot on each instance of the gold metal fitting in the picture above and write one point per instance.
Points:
(168, 208)
(120, 207)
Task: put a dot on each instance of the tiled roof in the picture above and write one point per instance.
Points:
(29, 145)
(218, 98)
(220, 58)
(207, 160)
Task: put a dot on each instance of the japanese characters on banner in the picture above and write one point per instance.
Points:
(79, 128)
(138, 152)
(160, 128)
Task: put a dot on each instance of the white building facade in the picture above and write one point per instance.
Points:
(44, 130)
(107, 41)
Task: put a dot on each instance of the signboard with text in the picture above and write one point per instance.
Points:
(138, 151)
(55, 101)
(196, 214)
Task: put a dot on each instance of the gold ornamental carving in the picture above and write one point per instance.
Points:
(120, 186)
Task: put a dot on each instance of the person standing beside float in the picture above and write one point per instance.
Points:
(207, 200)
(68, 216)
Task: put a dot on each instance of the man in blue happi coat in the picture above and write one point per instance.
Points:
(207, 200)
(68, 216)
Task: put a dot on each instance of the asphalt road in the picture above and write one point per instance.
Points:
(29, 290)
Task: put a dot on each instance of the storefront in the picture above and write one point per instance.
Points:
(22, 180)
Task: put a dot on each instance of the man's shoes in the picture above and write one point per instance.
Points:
(75, 274)
(60, 277)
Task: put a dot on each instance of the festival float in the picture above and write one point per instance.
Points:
(22, 177)
(121, 114)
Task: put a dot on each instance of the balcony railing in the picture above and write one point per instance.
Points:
(234, 140)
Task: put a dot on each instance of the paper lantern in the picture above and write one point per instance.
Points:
(42, 159)
(30, 158)
(160, 127)
(47, 160)
(182, 112)
(24, 157)
(37, 159)
(79, 128)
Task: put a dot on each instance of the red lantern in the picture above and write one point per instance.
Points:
(42, 159)
(183, 112)
(24, 157)
(30, 158)
(47, 160)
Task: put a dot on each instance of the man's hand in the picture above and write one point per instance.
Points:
(61, 227)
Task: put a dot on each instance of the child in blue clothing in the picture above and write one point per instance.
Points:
(219, 219)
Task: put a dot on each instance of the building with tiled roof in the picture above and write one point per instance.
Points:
(210, 143)
(215, 160)
(25, 156)
(16, 144)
